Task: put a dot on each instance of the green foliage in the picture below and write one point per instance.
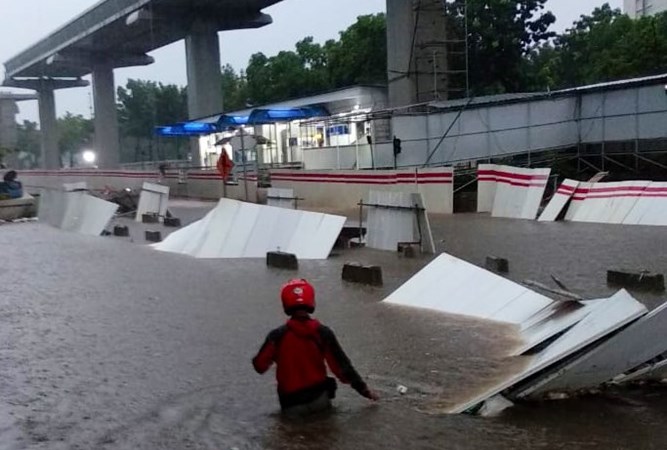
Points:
(600, 47)
(500, 34)
(28, 144)
(358, 57)
(143, 105)
(76, 133)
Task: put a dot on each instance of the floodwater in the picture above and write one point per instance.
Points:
(105, 344)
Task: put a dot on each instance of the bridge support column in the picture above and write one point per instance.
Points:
(202, 49)
(107, 141)
(48, 125)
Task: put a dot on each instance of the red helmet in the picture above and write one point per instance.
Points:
(298, 295)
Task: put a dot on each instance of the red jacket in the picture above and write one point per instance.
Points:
(300, 350)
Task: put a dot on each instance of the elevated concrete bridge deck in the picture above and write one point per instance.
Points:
(102, 33)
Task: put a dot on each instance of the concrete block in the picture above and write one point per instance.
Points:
(408, 249)
(153, 236)
(282, 260)
(173, 222)
(120, 230)
(150, 218)
(495, 264)
(642, 281)
(356, 273)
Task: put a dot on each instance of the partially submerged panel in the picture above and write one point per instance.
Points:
(640, 342)
(75, 211)
(281, 198)
(154, 199)
(451, 285)
(237, 229)
(607, 316)
(559, 200)
(397, 217)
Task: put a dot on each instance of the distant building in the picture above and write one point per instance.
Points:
(640, 8)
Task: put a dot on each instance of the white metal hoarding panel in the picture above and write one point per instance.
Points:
(454, 286)
(607, 316)
(281, 198)
(638, 343)
(621, 206)
(578, 199)
(214, 236)
(486, 187)
(97, 214)
(263, 233)
(535, 194)
(330, 226)
(240, 232)
(154, 199)
(76, 212)
(307, 227)
(560, 199)
(243, 230)
(387, 227)
(651, 207)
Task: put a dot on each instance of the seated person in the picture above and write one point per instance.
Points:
(10, 187)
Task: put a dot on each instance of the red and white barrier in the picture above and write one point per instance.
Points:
(344, 189)
(205, 184)
(559, 201)
(628, 202)
(516, 192)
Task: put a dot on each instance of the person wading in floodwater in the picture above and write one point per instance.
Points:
(300, 349)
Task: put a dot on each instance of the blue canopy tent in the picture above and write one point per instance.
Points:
(187, 129)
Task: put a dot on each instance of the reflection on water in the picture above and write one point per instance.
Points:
(110, 343)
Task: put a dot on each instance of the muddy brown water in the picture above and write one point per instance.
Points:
(105, 344)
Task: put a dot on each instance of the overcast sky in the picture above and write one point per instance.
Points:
(24, 23)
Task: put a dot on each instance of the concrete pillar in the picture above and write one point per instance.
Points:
(202, 49)
(49, 128)
(107, 140)
(400, 28)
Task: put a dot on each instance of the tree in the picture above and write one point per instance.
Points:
(75, 135)
(28, 144)
(360, 56)
(603, 46)
(144, 105)
(501, 33)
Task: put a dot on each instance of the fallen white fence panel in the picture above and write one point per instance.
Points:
(560, 199)
(453, 286)
(154, 199)
(75, 211)
(395, 217)
(655, 371)
(606, 317)
(281, 198)
(236, 229)
(640, 342)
